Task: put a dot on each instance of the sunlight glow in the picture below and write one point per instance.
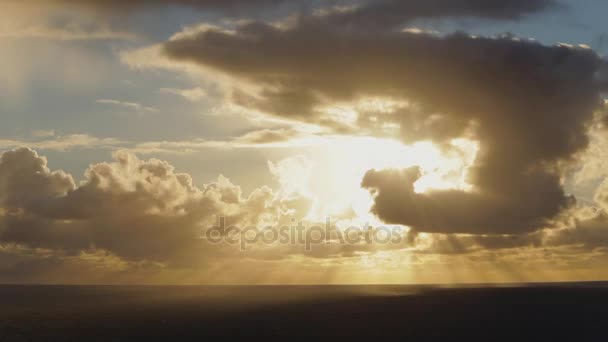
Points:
(333, 176)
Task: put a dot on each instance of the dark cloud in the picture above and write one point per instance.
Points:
(448, 245)
(380, 11)
(590, 233)
(134, 4)
(112, 19)
(455, 244)
(528, 105)
(519, 210)
(509, 241)
(383, 14)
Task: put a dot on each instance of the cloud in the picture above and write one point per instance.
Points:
(590, 233)
(359, 13)
(283, 138)
(265, 138)
(528, 105)
(26, 181)
(412, 8)
(193, 95)
(586, 226)
(128, 215)
(122, 7)
(594, 162)
(140, 221)
(268, 136)
(98, 19)
(131, 106)
(136, 210)
(383, 14)
(102, 20)
(133, 4)
(62, 143)
(39, 265)
(518, 211)
(350, 70)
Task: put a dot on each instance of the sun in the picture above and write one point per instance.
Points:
(332, 175)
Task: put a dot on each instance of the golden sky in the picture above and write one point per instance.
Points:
(288, 142)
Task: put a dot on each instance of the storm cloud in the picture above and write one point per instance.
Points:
(528, 105)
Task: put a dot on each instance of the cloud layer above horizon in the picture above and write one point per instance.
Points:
(298, 74)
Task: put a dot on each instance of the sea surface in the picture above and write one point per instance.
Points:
(532, 312)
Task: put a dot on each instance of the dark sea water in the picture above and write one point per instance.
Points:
(539, 312)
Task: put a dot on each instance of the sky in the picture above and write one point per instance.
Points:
(303, 142)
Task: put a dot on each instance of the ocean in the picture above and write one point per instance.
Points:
(517, 312)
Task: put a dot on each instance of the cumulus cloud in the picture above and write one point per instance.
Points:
(587, 226)
(137, 210)
(452, 211)
(132, 214)
(133, 220)
(26, 181)
(528, 105)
